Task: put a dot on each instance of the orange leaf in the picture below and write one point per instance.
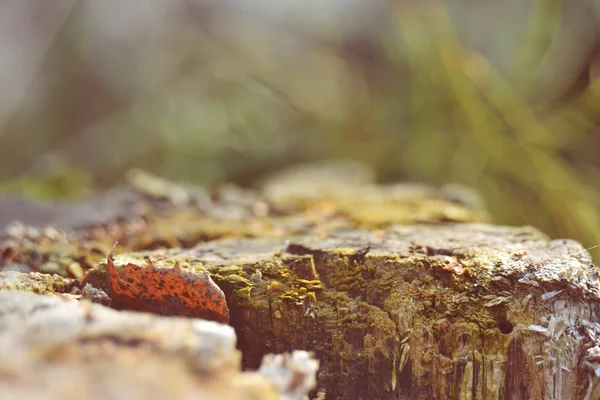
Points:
(166, 291)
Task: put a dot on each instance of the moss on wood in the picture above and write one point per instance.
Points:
(400, 291)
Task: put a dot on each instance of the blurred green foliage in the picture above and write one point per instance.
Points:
(210, 105)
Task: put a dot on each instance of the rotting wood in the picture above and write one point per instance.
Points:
(70, 238)
(452, 311)
(395, 289)
(53, 348)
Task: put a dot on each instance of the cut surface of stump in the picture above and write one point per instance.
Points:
(53, 348)
(412, 311)
(401, 291)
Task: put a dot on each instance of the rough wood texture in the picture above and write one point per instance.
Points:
(52, 348)
(399, 290)
(70, 238)
(415, 312)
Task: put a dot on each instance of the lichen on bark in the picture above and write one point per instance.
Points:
(401, 291)
(423, 312)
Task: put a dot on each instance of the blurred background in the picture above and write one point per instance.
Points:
(503, 96)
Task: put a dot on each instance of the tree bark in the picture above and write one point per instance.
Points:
(401, 291)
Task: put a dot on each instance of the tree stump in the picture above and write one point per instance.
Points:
(400, 291)
(53, 348)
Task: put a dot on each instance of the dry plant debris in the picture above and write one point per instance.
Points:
(167, 291)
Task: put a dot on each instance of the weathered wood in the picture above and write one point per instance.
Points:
(70, 238)
(52, 348)
(419, 312)
(399, 290)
